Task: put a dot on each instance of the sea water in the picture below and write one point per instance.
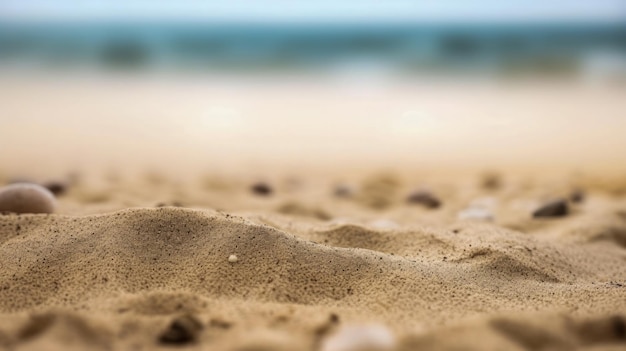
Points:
(394, 48)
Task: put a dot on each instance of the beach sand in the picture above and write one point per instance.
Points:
(204, 260)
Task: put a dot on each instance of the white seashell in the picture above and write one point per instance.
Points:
(233, 258)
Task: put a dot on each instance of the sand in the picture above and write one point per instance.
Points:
(160, 241)
(118, 267)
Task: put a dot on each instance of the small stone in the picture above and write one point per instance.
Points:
(360, 338)
(233, 258)
(491, 181)
(55, 187)
(343, 191)
(167, 204)
(577, 196)
(261, 189)
(557, 208)
(183, 330)
(26, 198)
(424, 198)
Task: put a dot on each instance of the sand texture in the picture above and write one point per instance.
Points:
(149, 263)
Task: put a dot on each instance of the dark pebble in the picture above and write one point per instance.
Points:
(556, 208)
(328, 326)
(173, 204)
(577, 196)
(619, 327)
(342, 190)
(37, 325)
(57, 188)
(183, 330)
(491, 181)
(261, 189)
(424, 198)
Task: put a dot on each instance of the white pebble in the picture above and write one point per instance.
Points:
(476, 213)
(26, 198)
(373, 337)
(232, 258)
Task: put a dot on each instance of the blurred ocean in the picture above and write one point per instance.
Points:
(399, 49)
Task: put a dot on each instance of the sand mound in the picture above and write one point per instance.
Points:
(142, 250)
(118, 279)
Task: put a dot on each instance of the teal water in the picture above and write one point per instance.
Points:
(402, 48)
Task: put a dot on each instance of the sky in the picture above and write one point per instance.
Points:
(323, 10)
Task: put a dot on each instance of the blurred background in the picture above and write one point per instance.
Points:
(200, 86)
